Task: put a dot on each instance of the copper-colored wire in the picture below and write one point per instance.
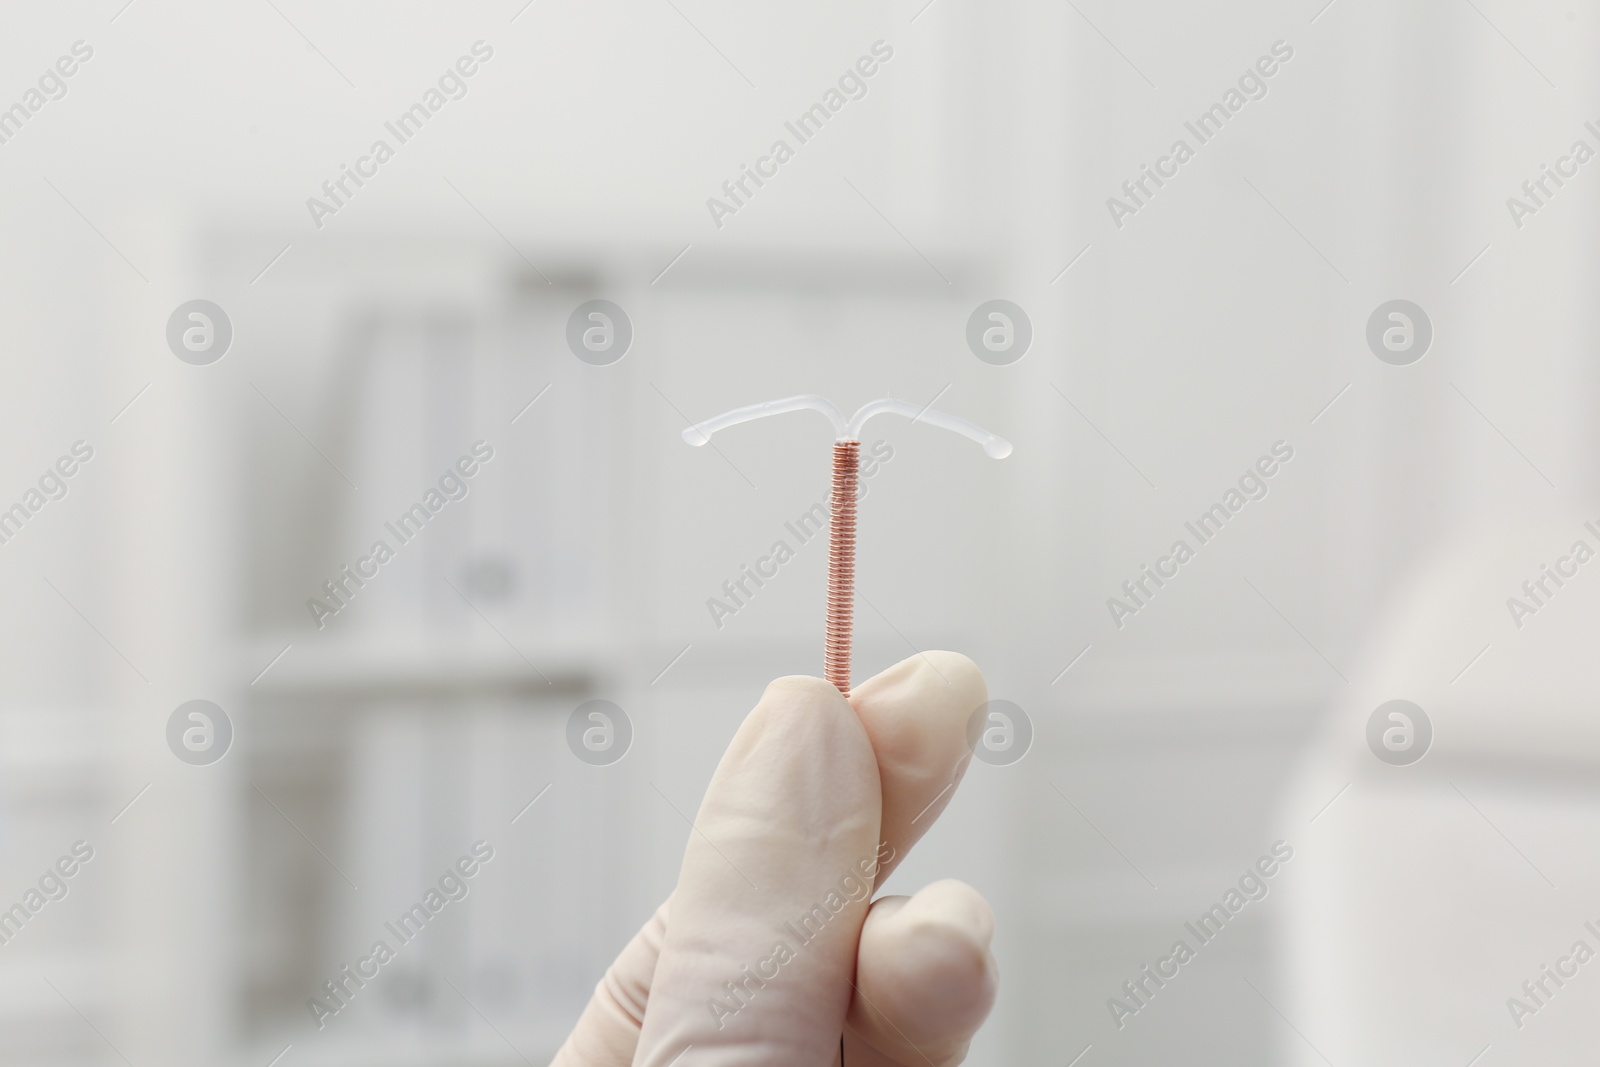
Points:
(841, 565)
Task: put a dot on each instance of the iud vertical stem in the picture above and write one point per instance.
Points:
(842, 527)
(841, 565)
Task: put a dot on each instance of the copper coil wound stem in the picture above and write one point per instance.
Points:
(841, 565)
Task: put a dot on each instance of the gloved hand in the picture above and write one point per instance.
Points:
(767, 949)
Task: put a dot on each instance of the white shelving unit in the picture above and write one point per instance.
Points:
(371, 753)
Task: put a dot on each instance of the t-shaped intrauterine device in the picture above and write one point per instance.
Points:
(842, 503)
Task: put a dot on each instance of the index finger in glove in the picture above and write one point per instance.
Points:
(759, 954)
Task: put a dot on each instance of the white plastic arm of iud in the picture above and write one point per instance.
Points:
(700, 433)
(995, 446)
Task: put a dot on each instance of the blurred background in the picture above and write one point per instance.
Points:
(180, 482)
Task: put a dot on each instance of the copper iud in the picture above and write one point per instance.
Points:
(842, 504)
(841, 565)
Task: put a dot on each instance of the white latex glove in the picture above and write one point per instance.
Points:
(811, 793)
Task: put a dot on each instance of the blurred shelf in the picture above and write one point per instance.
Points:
(378, 668)
(55, 747)
(83, 973)
(1200, 693)
(487, 1050)
(1072, 903)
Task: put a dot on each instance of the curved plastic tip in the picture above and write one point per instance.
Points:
(996, 447)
